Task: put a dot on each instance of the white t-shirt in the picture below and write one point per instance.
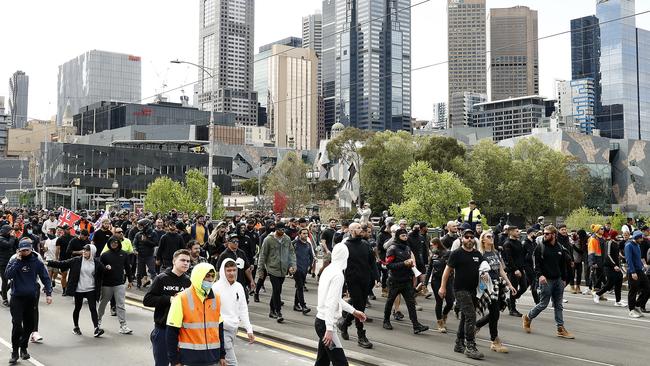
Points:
(50, 254)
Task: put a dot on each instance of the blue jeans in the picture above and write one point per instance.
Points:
(159, 345)
(553, 289)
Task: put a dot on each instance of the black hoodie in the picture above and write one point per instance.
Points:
(361, 261)
(164, 286)
(395, 257)
(118, 260)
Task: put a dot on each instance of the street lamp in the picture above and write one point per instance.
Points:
(208, 202)
(116, 186)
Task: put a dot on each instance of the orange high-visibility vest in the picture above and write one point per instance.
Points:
(200, 330)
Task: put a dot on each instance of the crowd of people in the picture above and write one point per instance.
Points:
(199, 274)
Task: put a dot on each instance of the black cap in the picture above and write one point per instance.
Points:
(302, 220)
(233, 238)
(84, 232)
(468, 231)
(531, 230)
(280, 226)
(180, 225)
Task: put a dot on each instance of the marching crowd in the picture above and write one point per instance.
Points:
(199, 275)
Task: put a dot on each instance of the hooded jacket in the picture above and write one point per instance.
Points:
(395, 257)
(330, 287)
(277, 255)
(118, 260)
(164, 286)
(234, 309)
(175, 322)
(8, 246)
(23, 273)
(74, 266)
(514, 255)
(361, 262)
(169, 243)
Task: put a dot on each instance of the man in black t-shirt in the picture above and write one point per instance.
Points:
(464, 263)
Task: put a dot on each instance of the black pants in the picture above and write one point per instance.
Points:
(520, 284)
(586, 271)
(614, 281)
(22, 319)
(467, 325)
(299, 297)
(384, 277)
(491, 318)
(5, 282)
(532, 282)
(146, 266)
(640, 286)
(276, 298)
(449, 297)
(92, 306)
(577, 278)
(36, 315)
(260, 282)
(326, 355)
(133, 262)
(596, 277)
(358, 290)
(407, 291)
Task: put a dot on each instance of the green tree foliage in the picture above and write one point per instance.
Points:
(618, 219)
(290, 178)
(325, 190)
(442, 153)
(196, 185)
(430, 195)
(583, 218)
(250, 186)
(164, 194)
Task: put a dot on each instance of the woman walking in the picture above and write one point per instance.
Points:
(437, 263)
(613, 272)
(496, 299)
(84, 282)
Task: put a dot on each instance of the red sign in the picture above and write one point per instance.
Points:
(134, 58)
(144, 112)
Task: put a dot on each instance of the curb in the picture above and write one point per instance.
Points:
(302, 343)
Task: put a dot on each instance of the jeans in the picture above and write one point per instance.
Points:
(407, 291)
(92, 306)
(299, 297)
(614, 281)
(449, 297)
(159, 345)
(150, 264)
(229, 337)
(108, 292)
(491, 318)
(5, 282)
(552, 289)
(640, 286)
(358, 296)
(328, 356)
(22, 319)
(276, 298)
(467, 325)
(578, 274)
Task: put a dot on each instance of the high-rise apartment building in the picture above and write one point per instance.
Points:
(511, 117)
(514, 58)
(576, 104)
(466, 37)
(373, 64)
(226, 32)
(96, 76)
(312, 37)
(293, 88)
(2, 105)
(18, 99)
(439, 120)
(462, 107)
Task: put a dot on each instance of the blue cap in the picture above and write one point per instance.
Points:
(637, 234)
(25, 244)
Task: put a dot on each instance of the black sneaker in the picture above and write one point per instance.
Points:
(459, 347)
(305, 310)
(419, 328)
(344, 331)
(256, 297)
(273, 315)
(387, 325)
(297, 308)
(113, 312)
(398, 315)
(472, 352)
(146, 284)
(643, 310)
(14, 358)
(24, 354)
(516, 313)
(362, 340)
(5, 303)
(280, 318)
(98, 332)
(76, 331)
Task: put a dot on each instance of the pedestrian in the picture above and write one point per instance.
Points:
(195, 255)
(451, 235)
(638, 284)
(78, 243)
(612, 271)
(101, 236)
(358, 275)
(51, 223)
(471, 215)
(117, 270)
(194, 326)
(364, 213)
(84, 283)
(245, 276)
(144, 243)
(326, 243)
(578, 259)
(529, 262)
(437, 263)
(8, 246)
(330, 305)
(198, 231)
(234, 309)
(304, 258)
(23, 271)
(62, 254)
(160, 295)
(551, 271)
(464, 264)
(514, 257)
(169, 243)
(400, 263)
(277, 257)
(595, 249)
(496, 297)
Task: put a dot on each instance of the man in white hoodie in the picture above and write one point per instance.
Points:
(234, 309)
(330, 305)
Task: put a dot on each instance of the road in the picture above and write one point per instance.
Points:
(61, 347)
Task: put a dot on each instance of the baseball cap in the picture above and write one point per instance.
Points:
(637, 235)
(280, 226)
(25, 244)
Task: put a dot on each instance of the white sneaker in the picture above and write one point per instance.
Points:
(36, 338)
(596, 298)
(638, 311)
(620, 304)
(586, 291)
(565, 301)
(125, 330)
(634, 314)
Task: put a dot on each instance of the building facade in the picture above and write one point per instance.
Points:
(576, 106)
(510, 117)
(97, 76)
(466, 52)
(585, 52)
(18, 99)
(226, 35)
(462, 106)
(293, 86)
(514, 57)
(372, 56)
(328, 65)
(312, 37)
(439, 120)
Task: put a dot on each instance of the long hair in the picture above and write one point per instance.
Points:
(481, 246)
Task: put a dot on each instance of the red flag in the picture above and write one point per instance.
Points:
(69, 218)
(280, 202)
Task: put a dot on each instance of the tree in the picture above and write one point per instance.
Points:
(442, 153)
(196, 185)
(289, 177)
(325, 190)
(583, 218)
(250, 186)
(164, 194)
(430, 196)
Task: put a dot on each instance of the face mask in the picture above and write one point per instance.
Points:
(206, 286)
(29, 231)
(51, 236)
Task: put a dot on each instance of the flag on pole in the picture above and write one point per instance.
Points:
(69, 218)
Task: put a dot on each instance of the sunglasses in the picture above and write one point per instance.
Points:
(469, 236)
(545, 234)
(489, 236)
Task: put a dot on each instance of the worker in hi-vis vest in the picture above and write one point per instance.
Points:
(471, 214)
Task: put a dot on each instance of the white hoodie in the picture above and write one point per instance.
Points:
(330, 288)
(233, 301)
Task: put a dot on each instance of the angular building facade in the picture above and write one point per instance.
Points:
(18, 99)
(514, 57)
(462, 106)
(226, 35)
(97, 76)
(466, 38)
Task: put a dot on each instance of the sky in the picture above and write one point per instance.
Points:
(40, 35)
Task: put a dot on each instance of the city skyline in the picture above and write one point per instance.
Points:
(170, 32)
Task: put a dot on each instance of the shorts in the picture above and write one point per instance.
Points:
(53, 270)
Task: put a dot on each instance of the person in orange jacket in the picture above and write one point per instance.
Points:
(595, 249)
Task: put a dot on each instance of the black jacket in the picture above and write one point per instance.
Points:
(550, 261)
(418, 245)
(361, 262)
(169, 244)
(8, 246)
(75, 245)
(382, 238)
(448, 240)
(529, 249)
(164, 286)
(395, 257)
(118, 260)
(437, 264)
(514, 255)
(100, 238)
(74, 266)
(144, 245)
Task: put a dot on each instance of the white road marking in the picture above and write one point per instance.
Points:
(560, 355)
(32, 360)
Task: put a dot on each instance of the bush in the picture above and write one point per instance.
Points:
(583, 218)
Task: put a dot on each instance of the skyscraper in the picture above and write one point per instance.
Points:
(585, 54)
(312, 37)
(328, 65)
(439, 120)
(514, 57)
(96, 76)
(18, 98)
(373, 64)
(226, 31)
(466, 39)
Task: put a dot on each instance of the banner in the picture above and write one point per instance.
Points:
(69, 218)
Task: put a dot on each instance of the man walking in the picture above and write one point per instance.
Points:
(8, 247)
(277, 257)
(117, 269)
(169, 243)
(304, 259)
(550, 268)
(636, 277)
(514, 257)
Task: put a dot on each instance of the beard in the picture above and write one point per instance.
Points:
(468, 244)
